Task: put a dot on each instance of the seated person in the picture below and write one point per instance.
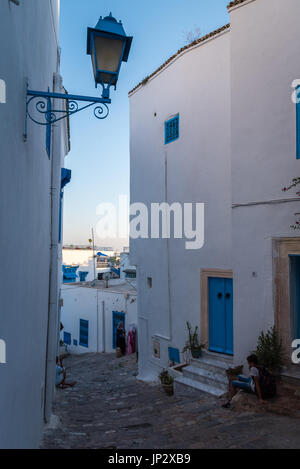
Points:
(250, 384)
(60, 380)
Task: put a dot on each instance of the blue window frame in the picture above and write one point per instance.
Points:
(67, 338)
(298, 122)
(84, 333)
(172, 130)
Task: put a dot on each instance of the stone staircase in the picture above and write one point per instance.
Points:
(206, 374)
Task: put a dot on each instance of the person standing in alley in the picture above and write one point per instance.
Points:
(121, 338)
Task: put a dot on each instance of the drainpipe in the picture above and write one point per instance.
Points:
(168, 256)
(53, 323)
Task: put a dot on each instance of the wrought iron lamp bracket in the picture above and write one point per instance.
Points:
(42, 104)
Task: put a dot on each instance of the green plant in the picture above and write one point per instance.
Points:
(295, 182)
(145, 81)
(193, 342)
(165, 378)
(269, 350)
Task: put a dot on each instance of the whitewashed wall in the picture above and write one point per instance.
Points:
(195, 168)
(265, 51)
(82, 302)
(28, 50)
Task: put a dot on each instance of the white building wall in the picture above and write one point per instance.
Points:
(195, 168)
(83, 302)
(28, 50)
(265, 50)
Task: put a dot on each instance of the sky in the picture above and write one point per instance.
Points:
(99, 156)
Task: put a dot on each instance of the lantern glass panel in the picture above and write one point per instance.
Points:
(108, 53)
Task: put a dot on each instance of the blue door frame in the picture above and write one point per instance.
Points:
(221, 315)
(117, 318)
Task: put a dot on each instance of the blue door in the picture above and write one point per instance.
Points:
(84, 333)
(221, 315)
(295, 296)
(117, 318)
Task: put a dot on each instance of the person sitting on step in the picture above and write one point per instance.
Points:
(250, 384)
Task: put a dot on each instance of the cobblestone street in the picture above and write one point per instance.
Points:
(109, 408)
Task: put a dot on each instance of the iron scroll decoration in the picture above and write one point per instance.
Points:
(51, 116)
(39, 107)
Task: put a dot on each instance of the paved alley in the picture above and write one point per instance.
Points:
(109, 408)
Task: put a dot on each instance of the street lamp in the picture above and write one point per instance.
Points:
(108, 46)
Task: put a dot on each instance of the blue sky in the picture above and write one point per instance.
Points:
(99, 157)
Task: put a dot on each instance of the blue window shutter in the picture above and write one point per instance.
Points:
(298, 124)
(174, 355)
(84, 333)
(66, 175)
(60, 216)
(172, 130)
(67, 338)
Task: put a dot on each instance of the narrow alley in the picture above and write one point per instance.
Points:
(109, 409)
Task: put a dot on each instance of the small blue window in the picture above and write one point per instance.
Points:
(172, 130)
(75, 343)
(174, 355)
(67, 338)
(298, 122)
(84, 333)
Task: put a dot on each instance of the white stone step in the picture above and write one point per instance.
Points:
(184, 385)
(215, 378)
(212, 363)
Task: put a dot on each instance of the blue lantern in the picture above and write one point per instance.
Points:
(108, 46)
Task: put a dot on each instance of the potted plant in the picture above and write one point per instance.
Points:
(193, 344)
(269, 351)
(167, 382)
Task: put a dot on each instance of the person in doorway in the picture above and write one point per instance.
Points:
(61, 376)
(121, 338)
(250, 384)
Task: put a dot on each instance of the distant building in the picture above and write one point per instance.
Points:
(126, 270)
(83, 262)
(91, 313)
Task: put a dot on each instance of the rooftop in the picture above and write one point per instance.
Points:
(114, 285)
(180, 51)
(235, 3)
(189, 46)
